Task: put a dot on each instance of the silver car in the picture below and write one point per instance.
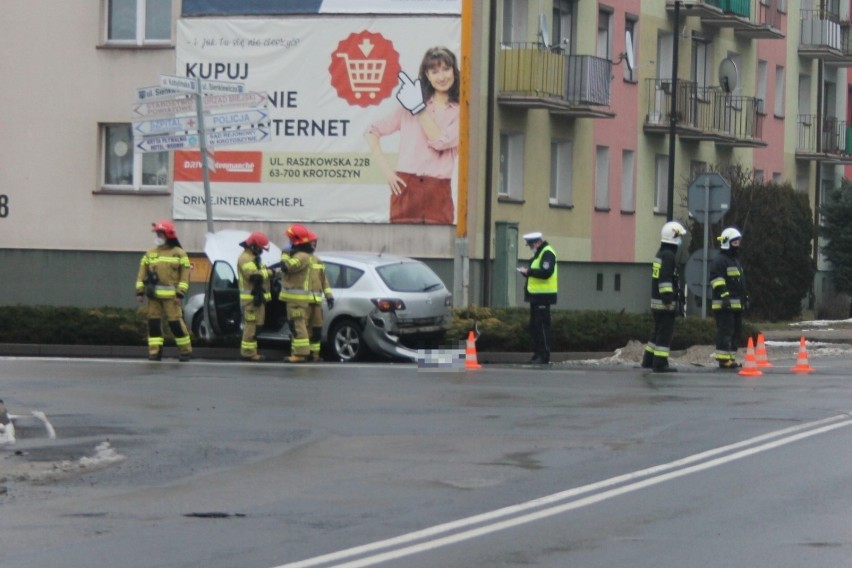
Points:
(384, 304)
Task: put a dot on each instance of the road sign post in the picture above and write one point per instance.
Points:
(168, 108)
(708, 198)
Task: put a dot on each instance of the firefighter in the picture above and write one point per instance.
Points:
(730, 297)
(296, 289)
(255, 292)
(665, 292)
(164, 279)
(540, 292)
(320, 289)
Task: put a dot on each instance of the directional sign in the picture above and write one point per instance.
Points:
(234, 137)
(223, 87)
(156, 93)
(164, 125)
(183, 84)
(166, 143)
(184, 141)
(247, 100)
(236, 118)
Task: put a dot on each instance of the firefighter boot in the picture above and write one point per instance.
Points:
(661, 365)
(647, 359)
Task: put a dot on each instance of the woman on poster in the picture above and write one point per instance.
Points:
(428, 126)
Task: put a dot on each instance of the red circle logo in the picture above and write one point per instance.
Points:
(364, 69)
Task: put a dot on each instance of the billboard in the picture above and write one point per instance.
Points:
(363, 115)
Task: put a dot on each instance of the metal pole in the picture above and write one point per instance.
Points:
(205, 173)
(673, 114)
(489, 157)
(704, 284)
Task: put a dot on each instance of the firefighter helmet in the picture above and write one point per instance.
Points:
(165, 227)
(258, 240)
(672, 233)
(300, 235)
(728, 236)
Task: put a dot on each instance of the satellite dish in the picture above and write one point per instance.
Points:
(628, 51)
(729, 76)
(542, 31)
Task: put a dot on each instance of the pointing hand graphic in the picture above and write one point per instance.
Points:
(409, 94)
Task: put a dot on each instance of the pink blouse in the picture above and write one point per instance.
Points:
(417, 155)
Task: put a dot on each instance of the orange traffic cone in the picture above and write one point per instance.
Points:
(802, 365)
(760, 352)
(470, 361)
(750, 369)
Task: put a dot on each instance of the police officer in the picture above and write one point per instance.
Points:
(730, 297)
(540, 292)
(254, 292)
(320, 290)
(665, 290)
(163, 278)
(296, 289)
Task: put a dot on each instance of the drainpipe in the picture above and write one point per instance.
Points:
(818, 189)
(490, 101)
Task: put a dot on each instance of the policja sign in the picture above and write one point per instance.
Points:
(708, 199)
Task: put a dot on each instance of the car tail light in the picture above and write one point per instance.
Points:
(388, 304)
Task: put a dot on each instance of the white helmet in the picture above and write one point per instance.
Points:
(672, 232)
(728, 235)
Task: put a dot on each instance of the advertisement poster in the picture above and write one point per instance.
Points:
(361, 126)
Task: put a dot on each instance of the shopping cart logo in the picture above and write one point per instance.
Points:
(364, 69)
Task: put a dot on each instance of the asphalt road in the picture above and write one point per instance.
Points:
(221, 464)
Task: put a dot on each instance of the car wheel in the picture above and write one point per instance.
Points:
(200, 328)
(346, 341)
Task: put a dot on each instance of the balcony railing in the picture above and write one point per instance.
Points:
(824, 36)
(705, 113)
(750, 18)
(823, 139)
(535, 77)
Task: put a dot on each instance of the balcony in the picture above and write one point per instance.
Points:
(826, 140)
(758, 19)
(530, 76)
(705, 113)
(825, 37)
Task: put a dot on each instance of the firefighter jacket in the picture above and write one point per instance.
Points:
(320, 288)
(542, 278)
(727, 280)
(163, 273)
(296, 285)
(254, 278)
(664, 279)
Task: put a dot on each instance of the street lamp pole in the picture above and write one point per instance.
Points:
(673, 115)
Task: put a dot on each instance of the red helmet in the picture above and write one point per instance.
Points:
(259, 240)
(165, 227)
(300, 235)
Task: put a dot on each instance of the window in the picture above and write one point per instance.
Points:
(661, 183)
(616, 283)
(599, 282)
(563, 24)
(561, 173)
(805, 95)
(776, 178)
(700, 66)
(604, 47)
(802, 182)
(139, 22)
(511, 166)
(630, 75)
(762, 78)
(514, 21)
(602, 178)
(758, 176)
(125, 169)
(696, 168)
(628, 185)
(779, 91)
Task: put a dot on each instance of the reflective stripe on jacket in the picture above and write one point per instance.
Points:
(295, 286)
(171, 264)
(249, 265)
(727, 281)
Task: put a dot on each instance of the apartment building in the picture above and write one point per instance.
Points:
(567, 129)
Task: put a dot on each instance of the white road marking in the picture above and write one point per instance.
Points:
(782, 437)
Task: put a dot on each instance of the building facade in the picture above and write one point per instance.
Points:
(567, 123)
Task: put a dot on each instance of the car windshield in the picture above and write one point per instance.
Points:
(409, 277)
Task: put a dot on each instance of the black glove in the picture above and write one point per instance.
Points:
(330, 302)
(726, 304)
(667, 298)
(258, 296)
